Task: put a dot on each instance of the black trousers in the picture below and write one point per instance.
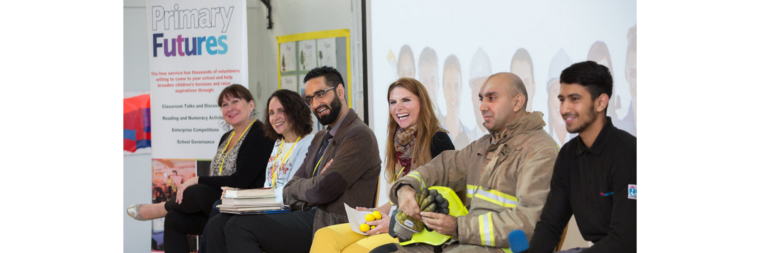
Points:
(386, 248)
(214, 212)
(188, 218)
(287, 232)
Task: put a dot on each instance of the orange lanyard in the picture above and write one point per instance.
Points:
(221, 165)
(282, 163)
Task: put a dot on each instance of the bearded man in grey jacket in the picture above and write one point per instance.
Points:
(341, 166)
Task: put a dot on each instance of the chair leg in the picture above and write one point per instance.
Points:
(561, 239)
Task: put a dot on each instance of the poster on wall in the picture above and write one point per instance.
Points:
(326, 52)
(197, 48)
(136, 123)
(288, 57)
(306, 51)
(289, 82)
(316, 49)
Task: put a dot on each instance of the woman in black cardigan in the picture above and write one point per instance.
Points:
(240, 162)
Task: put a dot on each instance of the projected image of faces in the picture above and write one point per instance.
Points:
(556, 124)
(630, 72)
(428, 67)
(405, 62)
(601, 55)
(522, 66)
(452, 86)
(452, 89)
(480, 70)
(630, 68)
(628, 122)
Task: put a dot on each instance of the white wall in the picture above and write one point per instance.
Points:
(288, 16)
(137, 172)
(298, 16)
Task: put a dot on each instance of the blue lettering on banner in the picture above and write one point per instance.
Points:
(174, 47)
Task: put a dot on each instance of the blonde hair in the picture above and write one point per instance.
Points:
(427, 126)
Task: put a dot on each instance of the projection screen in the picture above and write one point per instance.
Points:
(452, 46)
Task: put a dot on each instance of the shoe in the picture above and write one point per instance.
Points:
(134, 212)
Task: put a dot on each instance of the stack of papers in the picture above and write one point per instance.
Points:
(251, 201)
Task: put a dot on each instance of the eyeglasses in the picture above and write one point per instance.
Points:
(319, 95)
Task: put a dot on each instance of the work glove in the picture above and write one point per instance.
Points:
(442, 204)
(403, 226)
(432, 201)
(428, 201)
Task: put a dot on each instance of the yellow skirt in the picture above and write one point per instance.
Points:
(340, 238)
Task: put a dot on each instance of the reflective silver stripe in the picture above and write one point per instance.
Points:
(471, 189)
(497, 198)
(487, 226)
(417, 175)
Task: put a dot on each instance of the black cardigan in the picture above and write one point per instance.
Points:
(440, 142)
(251, 161)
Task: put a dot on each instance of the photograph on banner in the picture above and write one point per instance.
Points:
(321, 48)
(157, 235)
(194, 55)
(136, 123)
(168, 175)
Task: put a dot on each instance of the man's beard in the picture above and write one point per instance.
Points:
(335, 108)
(591, 116)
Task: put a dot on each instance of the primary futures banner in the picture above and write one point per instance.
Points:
(197, 49)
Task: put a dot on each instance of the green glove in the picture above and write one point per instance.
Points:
(421, 194)
(428, 204)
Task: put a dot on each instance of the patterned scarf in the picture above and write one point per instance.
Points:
(404, 145)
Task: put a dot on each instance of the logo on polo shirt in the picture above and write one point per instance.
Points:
(631, 191)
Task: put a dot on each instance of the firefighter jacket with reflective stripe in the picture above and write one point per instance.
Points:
(504, 184)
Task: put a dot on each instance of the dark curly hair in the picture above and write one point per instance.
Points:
(296, 111)
(332, 76)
